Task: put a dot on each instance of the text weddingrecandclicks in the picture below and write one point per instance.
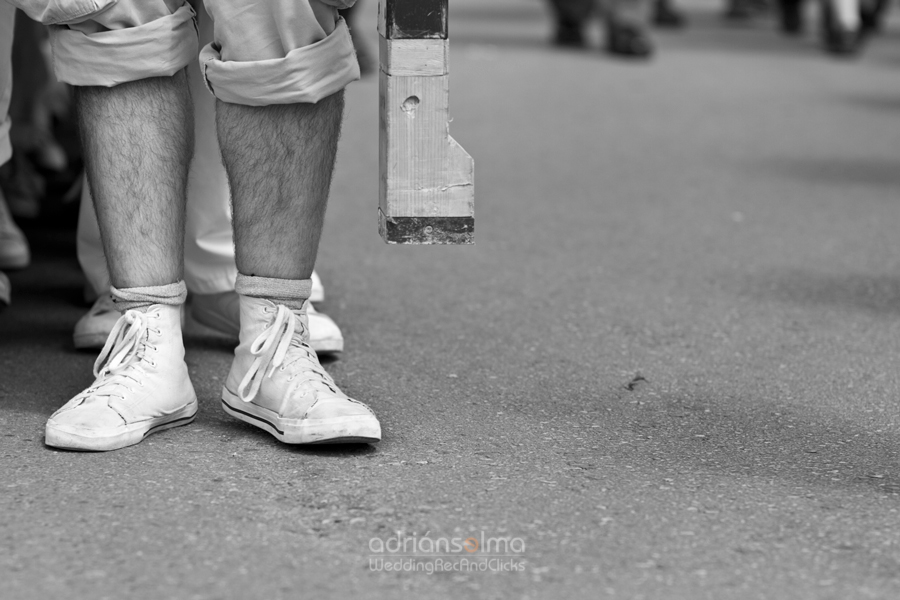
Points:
(427, 554)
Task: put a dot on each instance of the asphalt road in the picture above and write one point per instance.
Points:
(668, 368)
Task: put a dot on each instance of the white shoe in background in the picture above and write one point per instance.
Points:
(93, 328)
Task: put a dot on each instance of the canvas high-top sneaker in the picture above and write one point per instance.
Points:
(277, 384)
(141, 387)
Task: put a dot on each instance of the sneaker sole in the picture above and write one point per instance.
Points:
(125, 436)
(339, 430)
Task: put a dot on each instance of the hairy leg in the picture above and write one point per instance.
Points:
(279, 160)
(138, 143)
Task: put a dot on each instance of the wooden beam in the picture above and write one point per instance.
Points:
(426, 194)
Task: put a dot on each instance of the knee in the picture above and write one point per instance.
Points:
(287, 52)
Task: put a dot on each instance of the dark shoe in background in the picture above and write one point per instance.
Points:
(872, 13)
(628, 39)
(569, 34)
(791, 16)
(666, 15)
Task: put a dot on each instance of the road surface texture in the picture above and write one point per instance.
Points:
(669, 369)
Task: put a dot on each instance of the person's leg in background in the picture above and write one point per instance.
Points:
(14, 251)
(571, 17)
(136, 123)
(11, 239)
(790, 16)
(872, 14)
(368, 59)
(278, 113)
(209, 247)
(842, 27)
(209, 265)
(39, 160)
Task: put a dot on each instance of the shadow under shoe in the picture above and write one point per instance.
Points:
(141, 387)
(277, 384)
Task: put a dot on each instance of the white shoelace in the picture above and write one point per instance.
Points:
(123, 350)
(270, 349)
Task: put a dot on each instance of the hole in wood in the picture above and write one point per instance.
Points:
(410, 105)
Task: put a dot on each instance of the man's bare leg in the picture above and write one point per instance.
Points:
(280, 161)
(138, 142)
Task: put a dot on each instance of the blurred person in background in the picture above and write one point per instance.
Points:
(39, 103)
(14, 252)
(845, 24)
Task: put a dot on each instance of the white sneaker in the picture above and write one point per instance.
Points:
(142, 386)
(317, 294)
(277, 384)
(94, 327)
(222, 312)
(324, 334)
